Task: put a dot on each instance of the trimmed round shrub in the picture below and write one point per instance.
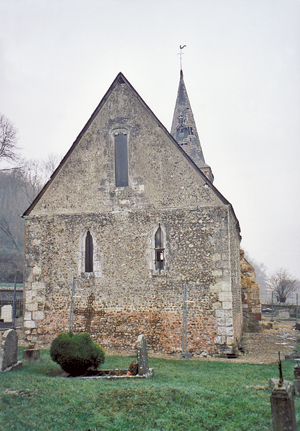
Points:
(76, 353)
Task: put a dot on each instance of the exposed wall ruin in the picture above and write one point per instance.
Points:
(250, 296)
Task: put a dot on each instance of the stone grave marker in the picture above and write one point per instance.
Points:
(31, 354)
(9, 351)
(6, 313)
(282, 404)
(284, 315)
(297, 377)
(142, 355)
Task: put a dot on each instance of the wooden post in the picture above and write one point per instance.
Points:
(14, 304)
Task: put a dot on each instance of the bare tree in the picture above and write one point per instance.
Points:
(8, 140)
(50, 164)
(6, 228)
(282, 284)
(18, 187)
(36, 173)
(31, 170)
(260, 272)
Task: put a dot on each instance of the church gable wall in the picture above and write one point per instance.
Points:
(152, 225)
(159, 174)
(131, 295)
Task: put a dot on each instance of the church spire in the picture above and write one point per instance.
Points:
(184, 129)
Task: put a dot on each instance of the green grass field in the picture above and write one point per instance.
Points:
(182, 395)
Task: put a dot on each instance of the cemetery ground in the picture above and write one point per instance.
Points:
(182, 395)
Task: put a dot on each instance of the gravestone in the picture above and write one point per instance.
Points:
(292, 355)
(282, 404)
(283, 408)
(6, 313)
(284, 315)
(31, 354)
(297, 377)
(142, 355)
(9, 351)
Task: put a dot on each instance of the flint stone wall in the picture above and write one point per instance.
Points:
(133, 296)
(201, 240)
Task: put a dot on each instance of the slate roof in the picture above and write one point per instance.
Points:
(184, 128)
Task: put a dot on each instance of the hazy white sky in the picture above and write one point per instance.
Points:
(241, 69)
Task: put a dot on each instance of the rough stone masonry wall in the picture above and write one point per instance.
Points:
(250, 296)
(131, 297)
(229, 308)
(237, 311)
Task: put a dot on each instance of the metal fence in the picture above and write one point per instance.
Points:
(289, 310)
(266, 298)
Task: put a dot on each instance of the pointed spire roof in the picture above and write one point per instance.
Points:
(184, 129)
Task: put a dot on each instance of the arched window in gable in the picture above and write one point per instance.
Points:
(88, 252)
(121, 159)
(159, 249)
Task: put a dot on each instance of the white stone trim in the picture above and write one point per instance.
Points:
(151, 251)
(97, 272)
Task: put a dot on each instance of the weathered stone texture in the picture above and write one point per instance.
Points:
(200, 231)
(128, 282)
(142, 355)
(9, 350)
(154, 162)
(250, 296)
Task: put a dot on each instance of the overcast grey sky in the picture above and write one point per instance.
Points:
(241, 70)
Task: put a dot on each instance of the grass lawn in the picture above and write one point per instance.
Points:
(182, 395)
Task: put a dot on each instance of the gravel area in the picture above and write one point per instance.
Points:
(263, 347)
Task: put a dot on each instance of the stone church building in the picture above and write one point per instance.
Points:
(131, 213)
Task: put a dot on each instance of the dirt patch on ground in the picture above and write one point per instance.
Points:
(263, 347)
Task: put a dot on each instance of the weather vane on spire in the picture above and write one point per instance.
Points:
(181, 54)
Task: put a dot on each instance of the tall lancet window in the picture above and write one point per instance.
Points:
(159, 249)
(88, 252)
(121, 160)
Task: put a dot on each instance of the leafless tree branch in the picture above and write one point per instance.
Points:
(8, 140)
(283, 284)
(4, 226)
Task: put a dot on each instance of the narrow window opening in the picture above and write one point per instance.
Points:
(159, 250)
(88, 252)
(121, 160)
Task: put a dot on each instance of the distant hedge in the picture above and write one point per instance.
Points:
(76, 353)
